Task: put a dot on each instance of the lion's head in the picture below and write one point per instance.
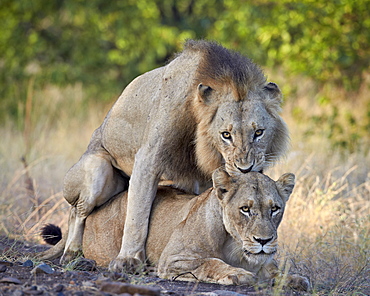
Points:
(253, 207)
(237, 112)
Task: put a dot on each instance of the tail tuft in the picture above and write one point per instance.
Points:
(51, 234)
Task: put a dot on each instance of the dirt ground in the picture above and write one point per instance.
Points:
(16, 278)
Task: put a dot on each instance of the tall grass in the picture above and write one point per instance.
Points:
(325, 233)
(35, 154)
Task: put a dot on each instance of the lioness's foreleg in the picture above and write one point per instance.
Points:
(88, 184)
(209, 270)
(141, 193)
(293, 281)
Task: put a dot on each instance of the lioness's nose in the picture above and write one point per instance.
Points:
(262, 241)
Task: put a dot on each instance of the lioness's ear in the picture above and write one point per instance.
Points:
(221, 182)
(285, 185)
(204, 92)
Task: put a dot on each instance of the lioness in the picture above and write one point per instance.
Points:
(227, 235)
(207, 107)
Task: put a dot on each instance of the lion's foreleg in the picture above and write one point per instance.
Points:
(73, 244)
(141, 193)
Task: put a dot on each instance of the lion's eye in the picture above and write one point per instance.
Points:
(258, 132)
(226, 135)
(245, 210)
(275, 210)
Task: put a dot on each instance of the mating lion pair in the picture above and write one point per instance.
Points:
(226, 235)
(209, 107)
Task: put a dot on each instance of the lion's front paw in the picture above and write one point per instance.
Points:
(126, 265)
(298, 282)
(239, 277)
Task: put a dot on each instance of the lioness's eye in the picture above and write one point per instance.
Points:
(245, 210)
(258, 133)
(226, 135)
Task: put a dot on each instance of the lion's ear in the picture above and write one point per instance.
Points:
(285, 185)
(204, 93)
(274, 91)
(221, 181)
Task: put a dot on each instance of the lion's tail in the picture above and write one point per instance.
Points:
(52, 235)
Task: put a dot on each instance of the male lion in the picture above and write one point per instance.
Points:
(227, 235)
(207, 107)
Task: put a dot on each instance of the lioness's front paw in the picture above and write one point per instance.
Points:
(126, 265)
(297, 282)
(240, 277)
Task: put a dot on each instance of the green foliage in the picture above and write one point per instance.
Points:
(328, 41)
(103, 44)
(68, 41)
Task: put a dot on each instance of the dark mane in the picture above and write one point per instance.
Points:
(220, 66)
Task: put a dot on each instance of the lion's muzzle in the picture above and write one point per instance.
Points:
(243, 170)
(248, 161)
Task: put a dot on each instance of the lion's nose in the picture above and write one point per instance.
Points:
(262, 241)
(243, 170)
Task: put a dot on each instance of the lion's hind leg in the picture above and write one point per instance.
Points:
(88, 184)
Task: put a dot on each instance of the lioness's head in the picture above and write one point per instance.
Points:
(237, 112)
(253, 207)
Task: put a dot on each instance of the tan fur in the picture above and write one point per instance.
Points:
(168, 124)
(205, 237)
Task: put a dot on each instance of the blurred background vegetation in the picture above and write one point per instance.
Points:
(102, 45)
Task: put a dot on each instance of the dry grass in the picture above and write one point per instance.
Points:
(35, 158)
(325, 234)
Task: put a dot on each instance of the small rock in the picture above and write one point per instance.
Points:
(10, 280)
(28, 263)
(3, 268)
(43, 268)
